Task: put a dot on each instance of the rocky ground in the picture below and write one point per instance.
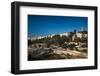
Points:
(59, 53)
(68, 54)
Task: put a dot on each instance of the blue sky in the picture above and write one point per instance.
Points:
(45, 25)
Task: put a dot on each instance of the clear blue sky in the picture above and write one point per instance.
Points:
(45, 25)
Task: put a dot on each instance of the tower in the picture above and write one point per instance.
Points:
(82, 29)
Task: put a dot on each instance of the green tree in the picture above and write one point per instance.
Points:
(29, 42)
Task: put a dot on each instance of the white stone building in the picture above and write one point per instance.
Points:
(64, 34)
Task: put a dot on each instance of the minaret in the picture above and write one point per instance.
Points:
(82, 28)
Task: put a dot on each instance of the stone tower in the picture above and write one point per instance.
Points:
(82, 29)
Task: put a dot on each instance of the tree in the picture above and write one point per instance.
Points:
(78, 39)
(56, 36)
(29, 42)
(64, 38)
(84, 40)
